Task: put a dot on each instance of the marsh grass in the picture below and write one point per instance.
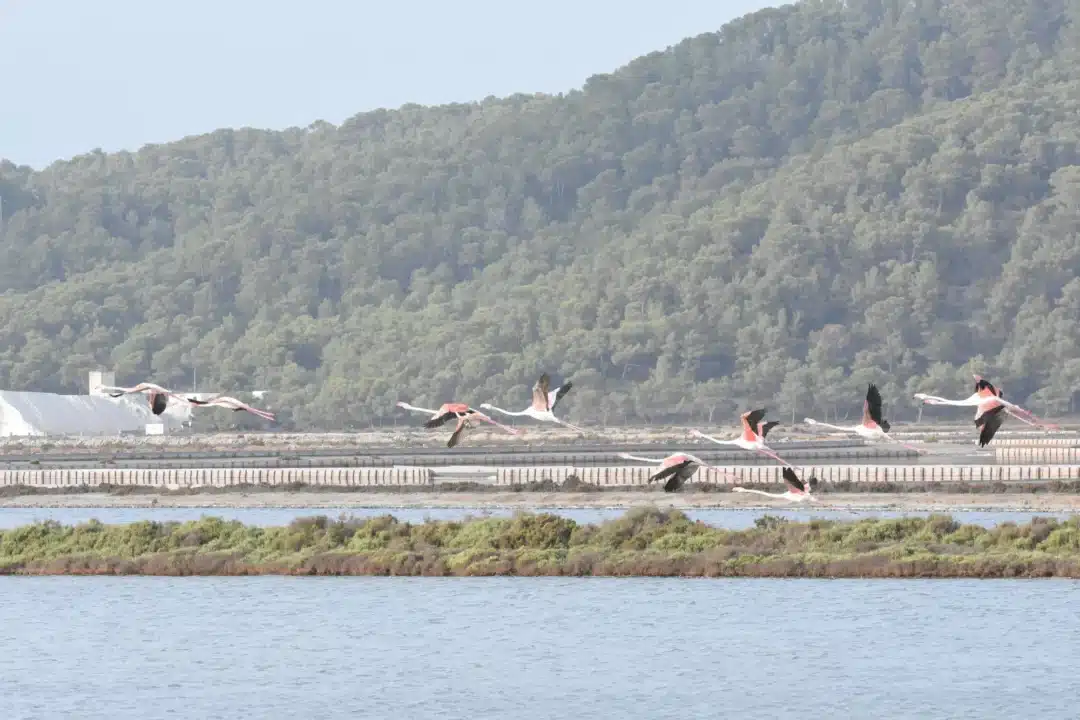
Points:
(646, 541)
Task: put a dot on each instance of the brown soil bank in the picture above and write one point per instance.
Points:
(644, 542)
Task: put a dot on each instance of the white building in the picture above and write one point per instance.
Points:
(31, 413)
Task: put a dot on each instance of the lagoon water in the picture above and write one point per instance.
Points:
(733, 519)
(525, 648)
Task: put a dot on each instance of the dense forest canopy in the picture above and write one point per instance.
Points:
(774, 214)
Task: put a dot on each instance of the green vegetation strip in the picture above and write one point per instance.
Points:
(643, 542)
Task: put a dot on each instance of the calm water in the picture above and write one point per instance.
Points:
(727, 518)
(269, 647)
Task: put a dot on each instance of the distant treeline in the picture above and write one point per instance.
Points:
(772, 215)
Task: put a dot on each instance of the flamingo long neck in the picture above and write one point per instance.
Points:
(643, 459)
(721, 442)
(407, 406)
(851, 428)
(510, 412)
(968, 401)
(759, 492)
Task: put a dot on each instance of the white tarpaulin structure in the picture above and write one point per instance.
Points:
(32, 413)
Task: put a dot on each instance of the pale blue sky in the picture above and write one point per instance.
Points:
(116, 74)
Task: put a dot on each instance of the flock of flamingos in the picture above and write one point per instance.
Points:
(988, 401)
(676, 469)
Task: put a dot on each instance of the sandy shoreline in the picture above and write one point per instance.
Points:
(910, 502)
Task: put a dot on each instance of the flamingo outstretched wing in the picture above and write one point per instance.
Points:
(540, 399)
(752, 418)
(676, 474)
(872, 408)
(793, 480)
(115, 391)
(558, 394)
(765, 427)
(440, 420)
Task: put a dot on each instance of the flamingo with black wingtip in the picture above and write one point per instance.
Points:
(753, 434)
(798, 491)
(677, 468)
(461, 411)
(874, 426)
(986, 396)
(543, 404)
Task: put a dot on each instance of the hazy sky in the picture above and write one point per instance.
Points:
(116, 74)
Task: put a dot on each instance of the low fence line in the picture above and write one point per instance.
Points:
(600, 476)
(1037, 456)
(624, 476)
(965, 433)
(1050, 442)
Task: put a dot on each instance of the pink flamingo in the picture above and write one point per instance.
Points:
(230, 403)
(873, 426)
(797, 491)
(678, 468)
(753, 434)
(543, 403)
(986, 396)
(461, 411)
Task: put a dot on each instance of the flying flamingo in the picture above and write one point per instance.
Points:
(797, 491)
(543, 403)
(678, 468)
(753, 434)
(157, 395)
(873, 426)
(461, 411)
(985, 396)
(230, 403)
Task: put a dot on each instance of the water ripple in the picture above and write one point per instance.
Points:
(529, 648)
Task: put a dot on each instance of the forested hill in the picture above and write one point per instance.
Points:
(774, 214)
